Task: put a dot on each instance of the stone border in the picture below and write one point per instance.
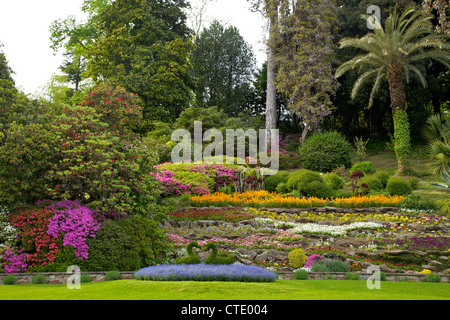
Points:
(61, 277)
(445, 278)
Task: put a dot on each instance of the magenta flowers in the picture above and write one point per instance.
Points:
(76, 223)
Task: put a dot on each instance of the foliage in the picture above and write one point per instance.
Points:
(271, 182)
(330, 265)
(185, 178)
(222, 214)
(334, 180)
(297, 258)
(144, 46)
(9, 280)
(222, 64)
(26, 156)
(433, 277)
(383, 176)
(365, 166)
(304, 53)
(402, 138)
(418, 203)
(112, 275)
(373, 182)
(301, 274)
(38, 279)
(415, 42)
(192, 258)
(309, 184)
(99, 161)
(214, 259)
(360, 148)
(437, 133)
(398, 186)
(111, 249)
(325, 151)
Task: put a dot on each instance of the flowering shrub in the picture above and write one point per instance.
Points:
(11, 261)
(179, 183)
(195, 179)
(75, 223)
(99, 160)
(297, 258)
(311, 260)
(205, 272)
(32, 225)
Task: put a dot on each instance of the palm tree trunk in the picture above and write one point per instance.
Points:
(401, 123)
(396, 88)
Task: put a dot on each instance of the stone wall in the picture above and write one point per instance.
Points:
(61, 277)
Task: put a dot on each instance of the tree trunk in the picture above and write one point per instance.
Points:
(401, 124)
(271, 98)
(396, 88)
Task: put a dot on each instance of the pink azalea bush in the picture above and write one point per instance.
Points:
(12, 261)
(195, 179)
(76, 223)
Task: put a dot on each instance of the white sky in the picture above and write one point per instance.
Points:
(24, 31)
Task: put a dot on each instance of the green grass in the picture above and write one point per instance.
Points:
(191, 290)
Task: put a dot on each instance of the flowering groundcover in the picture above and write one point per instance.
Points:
(205, 272)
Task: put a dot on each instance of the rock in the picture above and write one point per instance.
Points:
(272, 254)
(326, 222)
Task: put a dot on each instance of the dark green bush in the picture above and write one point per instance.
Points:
(38, 279)
(330, 265)
(126, 244)
(365, 166)
(352, 276)
(309, 184)
(85, 278)
(111, 248)
(271, 182)
(381, 274)
(334, 180)
(112, 275)
(418, 203)
(373, 182)
(383, 176)
(433, 277)
(9, 280)
(398, 186)
(282, 188)
(301, 274)
(325, 151)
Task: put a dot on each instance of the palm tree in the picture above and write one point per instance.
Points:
(437, 132)
(393, 52)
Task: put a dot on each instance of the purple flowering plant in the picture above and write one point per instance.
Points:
(76, 223)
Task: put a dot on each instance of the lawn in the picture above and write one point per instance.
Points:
(192, 290)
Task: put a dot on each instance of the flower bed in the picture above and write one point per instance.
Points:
(223, 214)
(264, 198)
(205, 272)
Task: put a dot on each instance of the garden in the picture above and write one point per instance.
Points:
(88, 177)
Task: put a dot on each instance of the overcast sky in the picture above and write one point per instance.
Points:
(24, 31)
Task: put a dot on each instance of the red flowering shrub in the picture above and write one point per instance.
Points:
(100, 161)
(32, 226)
